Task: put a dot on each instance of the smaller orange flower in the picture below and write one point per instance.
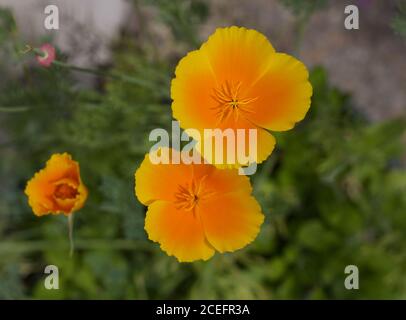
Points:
(57, 188)
(195, 210)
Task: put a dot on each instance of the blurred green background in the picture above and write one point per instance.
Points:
(333, 191)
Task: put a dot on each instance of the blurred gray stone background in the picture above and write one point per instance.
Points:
(369, 63)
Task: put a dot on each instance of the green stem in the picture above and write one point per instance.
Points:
(13, 109)
(70, 227)
(111, 75)
(300, 28)
(21, 247)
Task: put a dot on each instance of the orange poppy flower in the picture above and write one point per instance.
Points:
(237, 80)
(196, 209)
(57, 188)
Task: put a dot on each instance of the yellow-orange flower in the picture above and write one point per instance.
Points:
(196, 209)
(237, 80)
(57, 188)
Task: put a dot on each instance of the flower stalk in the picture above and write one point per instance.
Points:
(109, 75)
(70, 232)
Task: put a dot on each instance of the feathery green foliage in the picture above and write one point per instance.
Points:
(304, 8)
(399, 21)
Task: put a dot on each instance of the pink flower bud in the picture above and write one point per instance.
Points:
(48, 55)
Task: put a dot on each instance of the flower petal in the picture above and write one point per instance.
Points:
(81, 198)
(179, 232)
(39, 192)
(282, 94)
(62, 166)
(160, 181)
(230, 221)
(191, 92)
(238, 54)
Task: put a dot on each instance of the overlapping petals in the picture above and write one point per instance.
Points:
(197, 209)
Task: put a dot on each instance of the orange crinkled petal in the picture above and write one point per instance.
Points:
(179, 232)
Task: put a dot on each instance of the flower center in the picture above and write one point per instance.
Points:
(64, 191)
(230, 100)
(188, 196)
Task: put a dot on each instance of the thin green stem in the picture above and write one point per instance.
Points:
(111, 75)
(21, 247)
(300, 28)
(13, 109)
(70, 231)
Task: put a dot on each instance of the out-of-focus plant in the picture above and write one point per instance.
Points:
(333, 192)
(182, 16)
(399, 21)
(302, 11)
(304, 8)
